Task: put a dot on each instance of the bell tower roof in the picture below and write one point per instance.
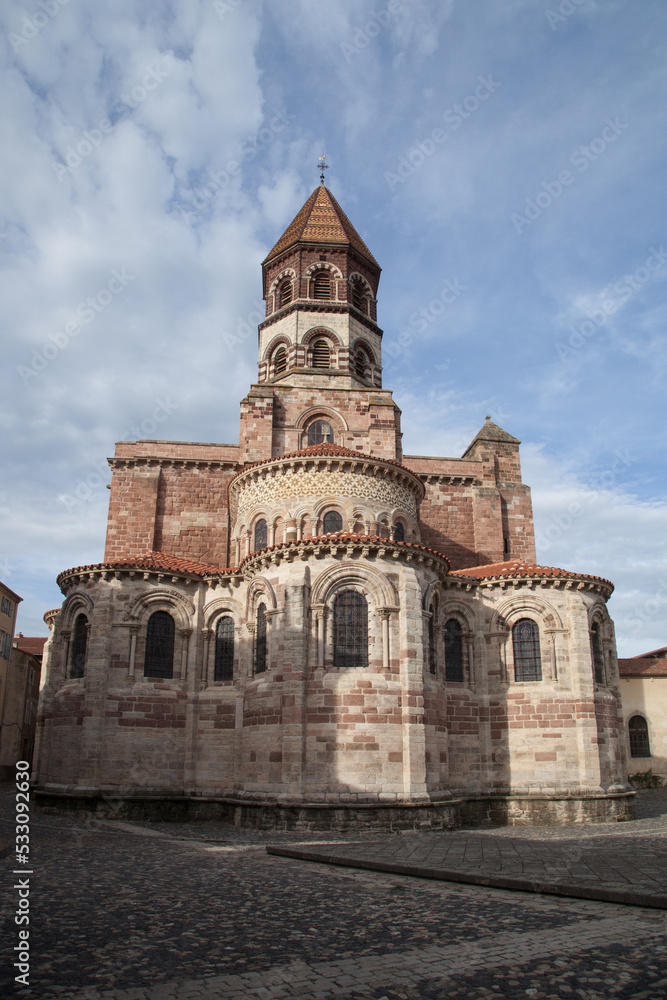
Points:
(321, 220)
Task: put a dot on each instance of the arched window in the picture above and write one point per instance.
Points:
(260, 535)
(79, 644)
(322, 285)
(321, 354)
(320, 432)
(399, 532)
(285, 293)
(332, 522)
(526, 645)
(360, 361)
(432, 652)
(597, 654)
(159, 660)
(350, 629)
(358, 297)
(280, 361)
(453, 651)
(260, 640)
(224, 650)
(638, 730)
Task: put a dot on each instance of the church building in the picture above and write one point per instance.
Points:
(311, 629)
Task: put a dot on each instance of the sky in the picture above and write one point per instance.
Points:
(504, 160)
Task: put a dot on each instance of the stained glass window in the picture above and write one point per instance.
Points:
(260, 640)
(320, 432)
(332, 522)
(261, 534)
(526, 644)
(224, 650)
(79, 644)
(453, 651)
(350, 628)
(159, 660)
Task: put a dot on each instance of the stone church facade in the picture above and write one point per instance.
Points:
(311, 628)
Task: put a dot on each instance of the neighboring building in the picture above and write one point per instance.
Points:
(9, 602)
(19, 712)
(644, 697)
(311, 627)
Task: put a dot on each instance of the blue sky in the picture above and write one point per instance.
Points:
(509, 151)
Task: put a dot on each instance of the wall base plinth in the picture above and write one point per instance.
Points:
(265, 814)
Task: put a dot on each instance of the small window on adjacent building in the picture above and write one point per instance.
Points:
(350, 629)
(224, 650)
(260, 640)
(597, 654)
(453, 651)
(159, 659)
(285, 293)
(79, 644)
(526, 645)
(261, 535)
(321, 354)
(399, 532)
(320, 432)
(322, 285)
(332, 521)
(280, 361)
(638, 730)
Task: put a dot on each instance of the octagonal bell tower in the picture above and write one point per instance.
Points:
(320, 346)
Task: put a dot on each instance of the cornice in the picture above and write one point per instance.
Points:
(159, 461)
(320, 306)
(341, 546)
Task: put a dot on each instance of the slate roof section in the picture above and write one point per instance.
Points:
(642, 666)
(517, 569)
(321, 220)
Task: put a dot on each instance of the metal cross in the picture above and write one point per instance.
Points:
(322, 166)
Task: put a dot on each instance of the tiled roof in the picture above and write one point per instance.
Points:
(32, 644)
(492, 432)
(321, 220)
(642, 666)
(151, 560)
(516, 569)
(350, 536)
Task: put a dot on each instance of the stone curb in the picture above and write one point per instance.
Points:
(628, 897)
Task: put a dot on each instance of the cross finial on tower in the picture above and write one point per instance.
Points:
(322, 165)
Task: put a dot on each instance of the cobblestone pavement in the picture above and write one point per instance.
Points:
(199, 911)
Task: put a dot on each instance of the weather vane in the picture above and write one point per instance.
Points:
(322, 166)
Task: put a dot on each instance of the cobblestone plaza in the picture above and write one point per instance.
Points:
(158, 911)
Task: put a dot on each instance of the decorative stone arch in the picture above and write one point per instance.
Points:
(321, 332)
(410, 527)
(333, 417)
(287, 272)
(380, 595)
(598, 617)
(280, 340)
(357, 277)
(222, 606)
(361, 344)
(326, 503)
(179, 607)
(259, 590)
(462, 613)
(512, 610)
(335, 274)
(76, 604)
